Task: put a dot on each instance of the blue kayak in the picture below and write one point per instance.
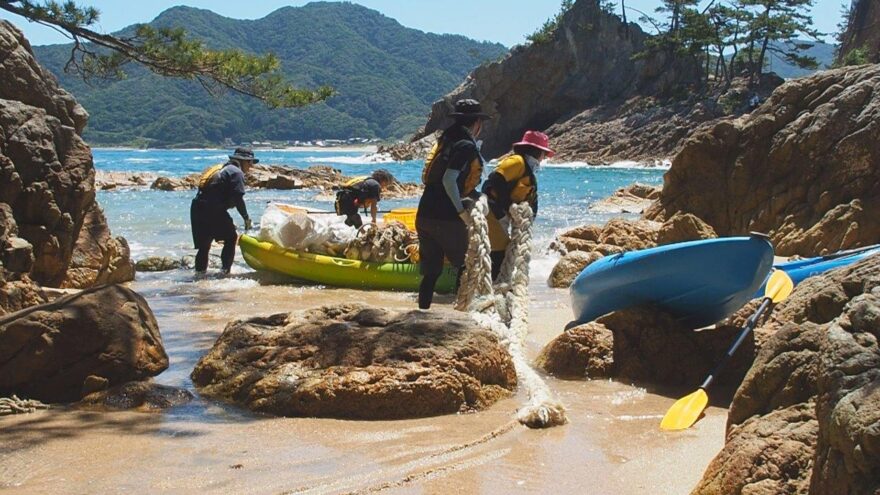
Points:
(802, 269)
(698, 282)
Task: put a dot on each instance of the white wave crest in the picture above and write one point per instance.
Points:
(351, 160)
(659, 165)
(141, 160)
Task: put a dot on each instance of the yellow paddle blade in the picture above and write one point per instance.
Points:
(685, 412)
(779, 286)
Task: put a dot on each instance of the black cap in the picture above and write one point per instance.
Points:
(469, 108)
(243, 154)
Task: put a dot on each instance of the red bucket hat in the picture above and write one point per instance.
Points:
(537, 139)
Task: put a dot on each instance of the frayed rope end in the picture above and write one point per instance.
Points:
(544, 415)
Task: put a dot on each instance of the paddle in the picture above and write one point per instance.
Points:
(687, 410)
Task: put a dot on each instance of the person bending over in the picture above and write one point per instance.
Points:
(221, 187)
(362, 192)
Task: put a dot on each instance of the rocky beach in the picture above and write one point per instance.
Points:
(120, 370)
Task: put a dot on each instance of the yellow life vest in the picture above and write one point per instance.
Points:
(355, 180)
(515, 171)
(208, 173)
(433, 172)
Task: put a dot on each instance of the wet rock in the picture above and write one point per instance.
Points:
(354, 361)
(158, 264)
(801, 167)
(48, 351)
(684, 227)
(141, 395)
(585, 351)
(402, 152)
(809, 406)
(106, 180)
(570, 266)
(98, 257)
(634, 198)
(174, 184)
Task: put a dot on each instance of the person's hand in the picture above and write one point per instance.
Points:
(248, 224)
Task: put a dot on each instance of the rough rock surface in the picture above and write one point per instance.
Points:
(158, 264)
(141, 395)
(98, 257)
(806, 414)
(402, 152)
(47, 178)
(354, 361)
(861, 29)
(684, 227)
(625, 235)
(568, 268)
(801, 167)
(646, 345)
(48, 352)
(633, 198)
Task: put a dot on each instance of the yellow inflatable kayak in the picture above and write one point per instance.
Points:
(337, 272)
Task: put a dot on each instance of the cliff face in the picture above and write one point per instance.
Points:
(588, 64)
(863, 29)
(47, 178)
(802, 167)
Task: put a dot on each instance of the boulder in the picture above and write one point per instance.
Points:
(684, 227)
(358, 362)
(861, 30)
(568, 268)
(141, 395)
(584, 351)
(805, 416)
(48, 352)
(173, 184)
(98, 257)
(801, 167)
(630, 199)
(158, 264)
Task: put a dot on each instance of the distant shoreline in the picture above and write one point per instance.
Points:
(318, 149)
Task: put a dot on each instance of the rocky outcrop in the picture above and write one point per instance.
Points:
(802, 167)
(862, 30)
(158, 264)
(354, 361)
(569, 266)
(51, 351)
(647, 345)
(402, 152)
(587, 65)
(47, 179)
(633, 198)
(805, 417)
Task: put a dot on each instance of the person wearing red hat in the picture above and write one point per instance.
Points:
(513, 181)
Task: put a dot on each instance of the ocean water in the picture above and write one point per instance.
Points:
(157, 222)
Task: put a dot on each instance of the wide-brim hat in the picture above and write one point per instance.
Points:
(469, 108)
(243, 154)
(537, 139)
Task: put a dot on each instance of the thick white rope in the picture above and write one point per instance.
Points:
(14, 405)
(506, 311)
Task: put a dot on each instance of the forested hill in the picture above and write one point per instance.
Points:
(386, 76)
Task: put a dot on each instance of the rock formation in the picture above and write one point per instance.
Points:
(802, 167)
(354, 361)
(633, 198)
(805, 417)
(862, 30)
(55, 352)
(141, 395)
(48, 181)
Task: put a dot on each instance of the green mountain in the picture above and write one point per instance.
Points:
(824, 54)
(386, 76)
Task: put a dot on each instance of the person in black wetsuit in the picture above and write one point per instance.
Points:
(220, 188)
(452, 173)
(362, 192)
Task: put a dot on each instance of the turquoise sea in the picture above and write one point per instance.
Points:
(157, 222)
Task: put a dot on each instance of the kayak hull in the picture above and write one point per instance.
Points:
(698, 282)
(801, 270)
(337, 272)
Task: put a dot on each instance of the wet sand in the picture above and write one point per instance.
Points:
(612, 443)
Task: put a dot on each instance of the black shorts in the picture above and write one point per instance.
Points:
(439, 239)
(210, 223)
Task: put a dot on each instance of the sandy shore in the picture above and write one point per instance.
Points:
(611, 445)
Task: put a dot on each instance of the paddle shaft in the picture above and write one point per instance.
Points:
(747, 328)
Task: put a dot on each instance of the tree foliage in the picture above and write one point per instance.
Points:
(545, 33)
(165, 51)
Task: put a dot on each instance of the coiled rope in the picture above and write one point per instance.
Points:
(14, 405)
(504, 308)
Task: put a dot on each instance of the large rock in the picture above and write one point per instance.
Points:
(587, 63)
(98, 258)
(48, 352)
(141, 395)
(354, 361)
(633, 198)
(861, 30)
(569, 267)
(48, 177)
(802, 167)
(806, 414)
(684, 227)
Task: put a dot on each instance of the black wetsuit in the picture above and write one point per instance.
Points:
(351, 198)
(209, 218)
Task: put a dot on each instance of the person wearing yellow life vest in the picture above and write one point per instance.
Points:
(362, 192)
(513, 181)
(220, 188)
(452, 173)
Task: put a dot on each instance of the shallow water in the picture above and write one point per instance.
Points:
(612, 443)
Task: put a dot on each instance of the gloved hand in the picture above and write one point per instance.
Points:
(248, 224)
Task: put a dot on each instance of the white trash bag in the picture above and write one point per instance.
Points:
(293, 228)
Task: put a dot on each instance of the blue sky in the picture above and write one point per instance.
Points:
(502, 21)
